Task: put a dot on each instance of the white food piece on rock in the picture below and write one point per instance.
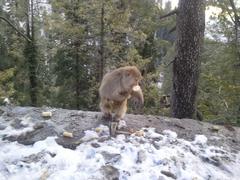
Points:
(47, 114)
(67, 134)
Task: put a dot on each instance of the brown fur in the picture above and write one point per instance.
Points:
(116, 89)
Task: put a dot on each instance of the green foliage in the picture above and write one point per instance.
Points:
(153, 95)
(127, 27)
(68, 42)
(219, 91)
(219, 94)
(6, 83)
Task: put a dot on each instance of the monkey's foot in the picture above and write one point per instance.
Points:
(122, 124)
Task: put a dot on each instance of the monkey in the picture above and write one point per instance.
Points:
(116, 88)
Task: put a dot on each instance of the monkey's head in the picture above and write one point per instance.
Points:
(131, 76)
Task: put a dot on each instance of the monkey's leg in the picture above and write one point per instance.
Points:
(120, 110)
(106, 108)
(113, 128)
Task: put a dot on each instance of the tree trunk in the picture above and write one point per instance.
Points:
(101, 51)
(236, 29)
(30, 53)
(77, 76)
(190, 34)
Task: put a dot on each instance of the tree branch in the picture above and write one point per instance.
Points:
(166, 65)
(229, 13)
(18, 31)
(172, 29)
(169, 14)
(237, 18)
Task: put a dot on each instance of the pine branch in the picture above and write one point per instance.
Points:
(237, 18)
(18, 31)
(169, 14)
(166, 65)
(172, 29)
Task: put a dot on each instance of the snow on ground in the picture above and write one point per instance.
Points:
(152, 156)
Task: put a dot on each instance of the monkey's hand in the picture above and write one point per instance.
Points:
(137, 95)
(136, 88)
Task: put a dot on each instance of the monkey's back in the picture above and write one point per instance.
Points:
(112, 84)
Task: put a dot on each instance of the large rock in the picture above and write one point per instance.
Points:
(77, 122)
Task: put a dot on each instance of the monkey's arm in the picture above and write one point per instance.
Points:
(138, 94)
(119, 95)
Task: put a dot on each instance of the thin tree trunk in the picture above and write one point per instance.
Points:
(30, 53)
(101, 51)
(237, 39)
(77, 77)
(15, 28)
(236, 22)
(190, 34)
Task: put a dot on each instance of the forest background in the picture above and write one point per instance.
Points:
(54, 53)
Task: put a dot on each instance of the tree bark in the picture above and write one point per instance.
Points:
(101, 51)
(236, 22)
(30, 53)
(190, 34)
(77, 76)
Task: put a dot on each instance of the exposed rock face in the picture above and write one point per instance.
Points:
(110, 172)
(77, 122)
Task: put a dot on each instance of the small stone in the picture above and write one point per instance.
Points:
(2, 127)
(229, 127)
(52, 154)
(95, 145)
(1, 111)
(110, 172)
(141, 156)
(111, 158)
(17, 124)
(165, 161)
(103, 138)
(215, 128)
(126, 173)
(169, 174)
(38, 126)
(157, 139)
(161, 178)
(156, 145)
(212, 160)
(34, 158)
(158, 162)
(142, 141)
